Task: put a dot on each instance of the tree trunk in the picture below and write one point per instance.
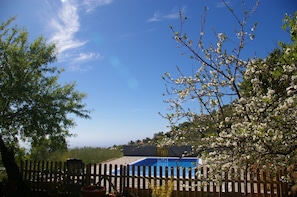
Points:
(13, 172)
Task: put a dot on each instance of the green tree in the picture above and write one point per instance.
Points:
(33, 105)
(44, 147)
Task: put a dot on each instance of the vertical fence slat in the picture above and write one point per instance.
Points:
(88, 174)
(172, 179)
(232, 176)
(251, 183)
(99, 175)
(196, 181)
(258, 182)
(265, 183)
(278, 193)
(271, 185)
(24, 168)
(51, 175)
(207, 187)
(109, 178)
(239, 180)
(43, 174)
(204, 175)
(144, 181)
(226, 181)
(190, 182)
(177, 180)
(104, 176)
(138, 178)
(34, 171)
(285, 184)
(133, 176)
(122, 179)
(184, 181)
(150, 179)
(128, 174)
(47, 174)
(114, 175)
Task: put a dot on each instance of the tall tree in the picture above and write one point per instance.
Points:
(258, 129)
(33, 105)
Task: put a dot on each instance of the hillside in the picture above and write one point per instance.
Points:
(187, 133)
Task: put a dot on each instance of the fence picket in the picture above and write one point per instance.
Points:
(133, 176)
(196, 182)
(251, 183)
(138, 178)
(109, 178)
(183, 178)
(278, 190)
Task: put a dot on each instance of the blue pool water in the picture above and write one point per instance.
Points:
(189, 164)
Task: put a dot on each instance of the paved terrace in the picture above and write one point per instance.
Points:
(123, 160)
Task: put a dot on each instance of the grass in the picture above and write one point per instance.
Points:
(87, 154)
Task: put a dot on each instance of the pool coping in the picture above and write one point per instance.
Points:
(164, 157)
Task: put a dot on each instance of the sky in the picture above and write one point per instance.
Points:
(118, 50)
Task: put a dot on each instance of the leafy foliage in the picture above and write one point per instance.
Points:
(33, 105)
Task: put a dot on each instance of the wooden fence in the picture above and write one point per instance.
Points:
(140, 180)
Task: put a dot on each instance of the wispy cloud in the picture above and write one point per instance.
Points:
(79, 61)
(156, 17)
(64, 26)
(88, 56)
(64, 22)
(80, 68)
(92, 4)
(174, 14)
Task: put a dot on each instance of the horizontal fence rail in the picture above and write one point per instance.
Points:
(142, 180)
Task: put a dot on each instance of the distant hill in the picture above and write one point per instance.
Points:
(186, 133)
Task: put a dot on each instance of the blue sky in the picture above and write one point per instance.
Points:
(118, 50)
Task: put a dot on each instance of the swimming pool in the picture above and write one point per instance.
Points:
(175, 165)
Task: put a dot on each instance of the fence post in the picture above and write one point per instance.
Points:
(285, 184)
(88, 174)
(246, 181)
(22, 169)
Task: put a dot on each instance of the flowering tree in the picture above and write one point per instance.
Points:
(249, 104)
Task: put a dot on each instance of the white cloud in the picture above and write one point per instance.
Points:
(88, 56)
(64, 26)
(175, 13)
(65, 22)
(92, 4)
(172, 16)
(79, 68)
(155, 18)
